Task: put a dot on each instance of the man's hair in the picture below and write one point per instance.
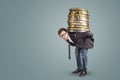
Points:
(61, 29)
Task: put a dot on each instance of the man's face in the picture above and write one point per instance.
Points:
(64, 35)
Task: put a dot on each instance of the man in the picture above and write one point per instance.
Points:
(83, 41)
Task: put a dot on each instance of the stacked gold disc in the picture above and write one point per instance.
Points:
(78, 20)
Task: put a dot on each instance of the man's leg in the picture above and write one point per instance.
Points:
(84, 53)
(77, 55)
(85, 58)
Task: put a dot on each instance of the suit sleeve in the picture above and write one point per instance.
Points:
(88, 35)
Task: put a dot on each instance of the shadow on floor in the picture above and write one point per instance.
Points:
(89, 73)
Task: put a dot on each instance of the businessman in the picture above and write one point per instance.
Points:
(82, 41)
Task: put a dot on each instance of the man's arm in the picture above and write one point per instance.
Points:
(88, 35)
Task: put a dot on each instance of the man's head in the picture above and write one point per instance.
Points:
(62, 32)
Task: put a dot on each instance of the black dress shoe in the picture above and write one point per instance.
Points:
(76, 71)
(83, 73)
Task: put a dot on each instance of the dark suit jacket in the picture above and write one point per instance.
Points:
(82, 39)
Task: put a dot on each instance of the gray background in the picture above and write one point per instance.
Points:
(30, 48)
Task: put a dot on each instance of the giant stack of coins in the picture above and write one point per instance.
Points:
(78, 20)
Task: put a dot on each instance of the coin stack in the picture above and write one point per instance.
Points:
(78, 20)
